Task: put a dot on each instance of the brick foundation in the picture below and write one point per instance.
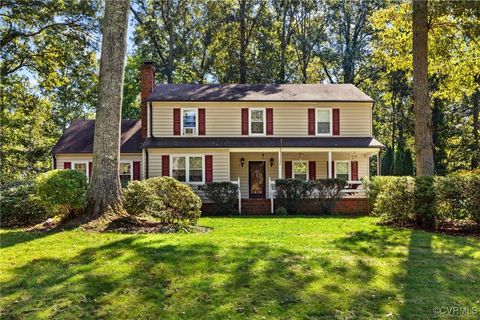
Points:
(349, 206)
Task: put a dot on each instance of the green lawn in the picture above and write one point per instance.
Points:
(260, 268)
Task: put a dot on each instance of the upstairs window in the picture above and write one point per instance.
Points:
(257, 121)
(188, 168)
(189, 122)
(81, 166)
(341, 170)
(324, 122)
(300, 170)
(125, 172)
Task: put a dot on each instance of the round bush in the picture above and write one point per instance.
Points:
(62, 191)
(395, 203)
(164, 198)
(20, 205)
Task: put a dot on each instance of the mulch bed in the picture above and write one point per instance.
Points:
(450, 227)
(138, 225)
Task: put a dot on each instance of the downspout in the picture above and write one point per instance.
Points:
(150, 119)
(146, 163)
(54, 161)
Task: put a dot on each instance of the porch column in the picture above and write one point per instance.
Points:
(280, 161)
(329, 165)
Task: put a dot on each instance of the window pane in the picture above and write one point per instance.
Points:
(125, 169)
(256, 116)
(323, 121)
(189, 119)
(178, 162)
(178, 169)
(300, 170)
(80, 167)
(341, 168)
(257, 127)
(180, 175)
(195, 168)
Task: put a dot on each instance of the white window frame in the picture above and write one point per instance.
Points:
(182, 110)
(264, 111)
(131, 168)
(300, 161)
(187, 167)
(330, 110)
(86, 162)
(349, 168)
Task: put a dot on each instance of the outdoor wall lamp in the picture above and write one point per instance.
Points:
(271, 162)
(242, 162)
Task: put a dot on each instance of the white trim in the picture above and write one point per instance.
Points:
(196, 121)
(264, 110)
(300, 161)
(86, 162)
(349, 168)
(331, 122)
(130, 162)
(187, 167)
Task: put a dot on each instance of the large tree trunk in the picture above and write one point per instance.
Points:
(105, 192)
(243, 43)
(423, 114)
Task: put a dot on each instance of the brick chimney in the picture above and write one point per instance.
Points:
(147, 82)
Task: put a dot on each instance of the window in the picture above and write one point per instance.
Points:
(189, 122)
(257, 121)
(342, 170)
(81, 166)
(125, 173)
(187, 168)
(300, 170)
(324, 121)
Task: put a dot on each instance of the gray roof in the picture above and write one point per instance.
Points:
(78, 137)
(259, 92)
(262, 142)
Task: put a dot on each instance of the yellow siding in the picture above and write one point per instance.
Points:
(223, 119)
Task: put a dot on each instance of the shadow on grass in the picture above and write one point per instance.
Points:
(10, 238)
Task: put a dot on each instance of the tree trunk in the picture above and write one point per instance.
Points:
(105, 192)
(476, 145)
(283, 46)
(243, 43)
(423, 114)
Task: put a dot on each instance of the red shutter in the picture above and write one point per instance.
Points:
(208, 169)
(269, 121)
(90, 166)
(136, 170)
(244, 121)
(312, 170)
(288, 169)
(311, 122)
(67, 165)
(201, 122)
(165, 165)
(354, 165)
(336, 122)
(176, 121)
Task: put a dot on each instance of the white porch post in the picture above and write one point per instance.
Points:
(280, 161)
(329, 165)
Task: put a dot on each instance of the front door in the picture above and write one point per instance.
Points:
(256, 179)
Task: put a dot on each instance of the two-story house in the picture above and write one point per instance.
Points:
(249, 134)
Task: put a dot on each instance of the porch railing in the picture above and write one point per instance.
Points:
(353, 190)
(237, 182)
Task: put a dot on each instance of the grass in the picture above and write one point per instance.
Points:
(260, 268)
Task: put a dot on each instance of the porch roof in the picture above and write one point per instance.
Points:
(262, 142)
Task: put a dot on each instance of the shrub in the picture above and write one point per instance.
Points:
(224, 196)
(374, 186)
(327, 192)
(395, 201)
(424, 202)
(291, 192)
(164, 198)
(62, 191)
(281, 211)
(19, 205)
(458, 196)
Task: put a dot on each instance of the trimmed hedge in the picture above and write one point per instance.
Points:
(327, 192)
(426, 201)
(20, 206)
(224, 196)
(164, 198)
(62, 191)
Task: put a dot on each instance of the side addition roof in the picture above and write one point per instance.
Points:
(259, 92)
(78, 137)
